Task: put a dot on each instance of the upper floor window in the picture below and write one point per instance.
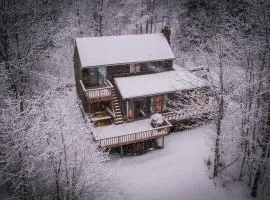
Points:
(135, 68)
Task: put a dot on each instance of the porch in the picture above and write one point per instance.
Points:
(99, 93)
(128, 133)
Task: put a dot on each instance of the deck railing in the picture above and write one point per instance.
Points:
(189, 113)
(99, 92)
(135, 137)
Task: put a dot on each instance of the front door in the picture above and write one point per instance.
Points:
(158, 104)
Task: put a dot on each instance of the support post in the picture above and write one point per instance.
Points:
(121, 150)
(163, 142)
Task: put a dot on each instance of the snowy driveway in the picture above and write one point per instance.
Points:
(176, 172)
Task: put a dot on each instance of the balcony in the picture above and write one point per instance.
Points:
(128, 133)
(100, 93)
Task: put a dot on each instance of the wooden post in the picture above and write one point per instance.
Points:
(121, 149)
(163, 142)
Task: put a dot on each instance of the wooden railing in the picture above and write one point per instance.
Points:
(189, 113)
(99, 92)
(135, 137)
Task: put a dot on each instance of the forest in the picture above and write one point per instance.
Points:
(43, 148)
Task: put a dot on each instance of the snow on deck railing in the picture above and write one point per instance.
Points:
(189, 113)
(98, 92)
(135, 137)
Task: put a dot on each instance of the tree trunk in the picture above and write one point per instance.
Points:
(264, 154)
(217, 144)
(220, 101)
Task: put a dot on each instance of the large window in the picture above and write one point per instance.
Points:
(97, 76)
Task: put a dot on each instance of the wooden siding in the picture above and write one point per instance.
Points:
(113, 71)
(77, 68)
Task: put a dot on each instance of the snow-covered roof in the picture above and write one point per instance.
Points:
(122, 49)
(158, 83)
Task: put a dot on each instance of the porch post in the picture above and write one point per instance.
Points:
(127, 109)
(121, 150)
(163, 142)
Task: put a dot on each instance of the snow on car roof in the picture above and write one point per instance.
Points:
(158, 83)
(123, 49)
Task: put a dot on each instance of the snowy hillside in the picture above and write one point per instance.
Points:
(178, 171)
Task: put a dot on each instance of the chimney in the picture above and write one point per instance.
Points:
(167, 33)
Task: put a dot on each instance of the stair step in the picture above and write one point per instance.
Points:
(119, 117)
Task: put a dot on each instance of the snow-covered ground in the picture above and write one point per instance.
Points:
(176, 172)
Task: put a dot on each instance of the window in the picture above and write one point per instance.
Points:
(158, 103)
(130, 110)
(96, 76)
(102, 72)
(93, 76)
(135, 68)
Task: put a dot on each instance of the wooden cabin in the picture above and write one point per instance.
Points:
(123, 80)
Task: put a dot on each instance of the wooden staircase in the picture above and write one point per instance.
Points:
(118, 119)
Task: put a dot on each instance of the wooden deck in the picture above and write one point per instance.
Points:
(99, 93)
(151, 133)
(135, 137)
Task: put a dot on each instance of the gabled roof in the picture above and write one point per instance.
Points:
(123, 49)
(158, 83)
